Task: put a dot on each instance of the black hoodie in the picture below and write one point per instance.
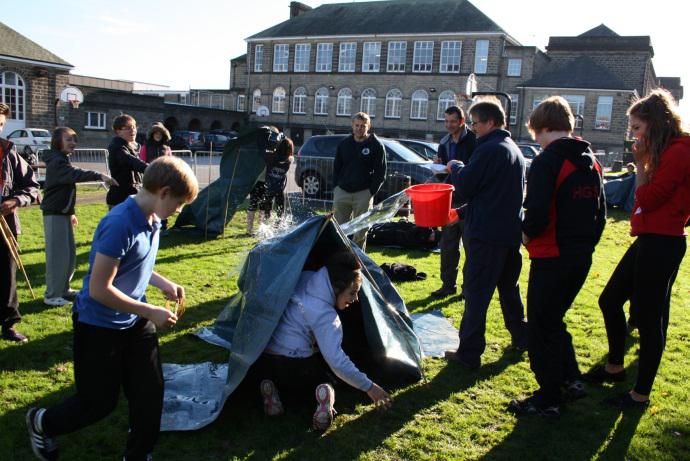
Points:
(59, 191)
(126, 168)
(565, 208)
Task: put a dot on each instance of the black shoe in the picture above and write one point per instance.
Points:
(44, 447)
(624, 401)
(574, 390)
(453, 356)
(600, 375)
(443, 292)
(10, 334)
(533, 406)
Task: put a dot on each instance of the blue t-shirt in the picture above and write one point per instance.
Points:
(125, 234)
(452, 150)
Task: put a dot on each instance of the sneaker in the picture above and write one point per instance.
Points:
(58, 301)
(533, 406)
(574, 390)
(443, 292)
(10, 334)
(600, 375)
(272, 404)
(323, 416)
(624, 401)
(44, 447)
(453, 356)
(71, 295)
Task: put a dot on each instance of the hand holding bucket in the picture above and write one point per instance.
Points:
(431, 204)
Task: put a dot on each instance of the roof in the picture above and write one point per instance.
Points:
(241, 58)
(15, 45)
(599, 31)
(581, 72)
(601, 43)
(384, 17)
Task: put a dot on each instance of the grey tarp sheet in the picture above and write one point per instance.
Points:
(266, 282)
(240, 166)
(620, 192)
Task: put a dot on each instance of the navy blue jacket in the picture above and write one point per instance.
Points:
(492, 184)
(565, 207)
(463, 152)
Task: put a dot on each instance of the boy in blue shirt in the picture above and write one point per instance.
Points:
(115, 342)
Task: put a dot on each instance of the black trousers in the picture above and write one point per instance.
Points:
(274, 201)
(553, 285)
(9, 303)
(489, 267)
(450, 253)
(104, 361)
(295, 377)
(644, 276)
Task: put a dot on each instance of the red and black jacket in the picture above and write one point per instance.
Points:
(565, 208)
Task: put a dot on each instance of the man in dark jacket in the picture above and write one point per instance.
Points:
(565, 214)
(492, 184)
(123, 161)
(359, 170)
(458, 144)
(18, 188)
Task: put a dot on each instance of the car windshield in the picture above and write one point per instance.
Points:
(40, 133)
(403, 152)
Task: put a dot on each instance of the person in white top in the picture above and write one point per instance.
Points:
(308, 342)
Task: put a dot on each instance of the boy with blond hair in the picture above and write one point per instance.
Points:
(115, 342)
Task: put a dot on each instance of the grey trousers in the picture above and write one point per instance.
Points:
(450, 253)
(349, 205)
(61, 256)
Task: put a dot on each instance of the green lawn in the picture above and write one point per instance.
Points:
(455, 414)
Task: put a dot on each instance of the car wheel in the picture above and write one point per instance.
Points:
(311, 184)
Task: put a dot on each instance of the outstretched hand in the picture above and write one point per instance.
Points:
(381, 398)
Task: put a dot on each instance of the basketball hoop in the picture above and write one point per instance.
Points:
(72, 95)
(75, 103)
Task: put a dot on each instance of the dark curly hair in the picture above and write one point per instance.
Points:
(344, 269)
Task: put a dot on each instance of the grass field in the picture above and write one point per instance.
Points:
(455, 414)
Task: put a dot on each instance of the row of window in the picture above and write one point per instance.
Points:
(422, 57)
(12, 93)
(602, 119)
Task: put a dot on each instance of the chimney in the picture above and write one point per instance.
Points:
(297, 8)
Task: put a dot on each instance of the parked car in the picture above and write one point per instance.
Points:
(529, 152)
(29, 141)
(314, 166)
(426, 149)
(187, 140)
(215, 142)
(229, 133)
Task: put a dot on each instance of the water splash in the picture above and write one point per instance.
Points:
(382, 212)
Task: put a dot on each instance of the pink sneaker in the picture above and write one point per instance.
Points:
(272, 404)
(323, 416)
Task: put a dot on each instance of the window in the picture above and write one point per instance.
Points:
(299, 101)
(445, 100)
(258, 58)
(346, 60)
(604, 109)
(514, 67)
(344, 106)
(393, 103)
(321, 102)
(450, 57)
(324, 57)
(514, 99)
(537, 100)
(256, 100)
(240, 103)
(368, 105)
(302, 51)
(420, 103)
(397, 52)
(481, 56)
(280, 58)
(577, 105)
(371, 57)
(422, 57)
(12, 94)
(279, 100)
(95, 120)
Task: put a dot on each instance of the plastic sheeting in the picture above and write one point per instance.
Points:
(266, 282)
(620, 192)
(436, 333)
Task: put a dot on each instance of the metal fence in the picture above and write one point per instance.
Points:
(86, 159)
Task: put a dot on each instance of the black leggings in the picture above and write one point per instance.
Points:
(644, 276)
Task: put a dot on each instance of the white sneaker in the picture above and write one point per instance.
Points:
(323, 416)
(56, 301)
(272, 404)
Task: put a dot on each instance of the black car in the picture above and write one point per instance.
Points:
(426, 149)
(314, 167)
(187, 140)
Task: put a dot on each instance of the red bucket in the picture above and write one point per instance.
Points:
(431, 203)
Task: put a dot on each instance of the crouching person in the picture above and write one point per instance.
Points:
(115, 342)
(308, 342)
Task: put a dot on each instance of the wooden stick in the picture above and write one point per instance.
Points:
(13, 246)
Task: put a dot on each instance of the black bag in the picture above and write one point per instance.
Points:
(403, 234)
(398, 272)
